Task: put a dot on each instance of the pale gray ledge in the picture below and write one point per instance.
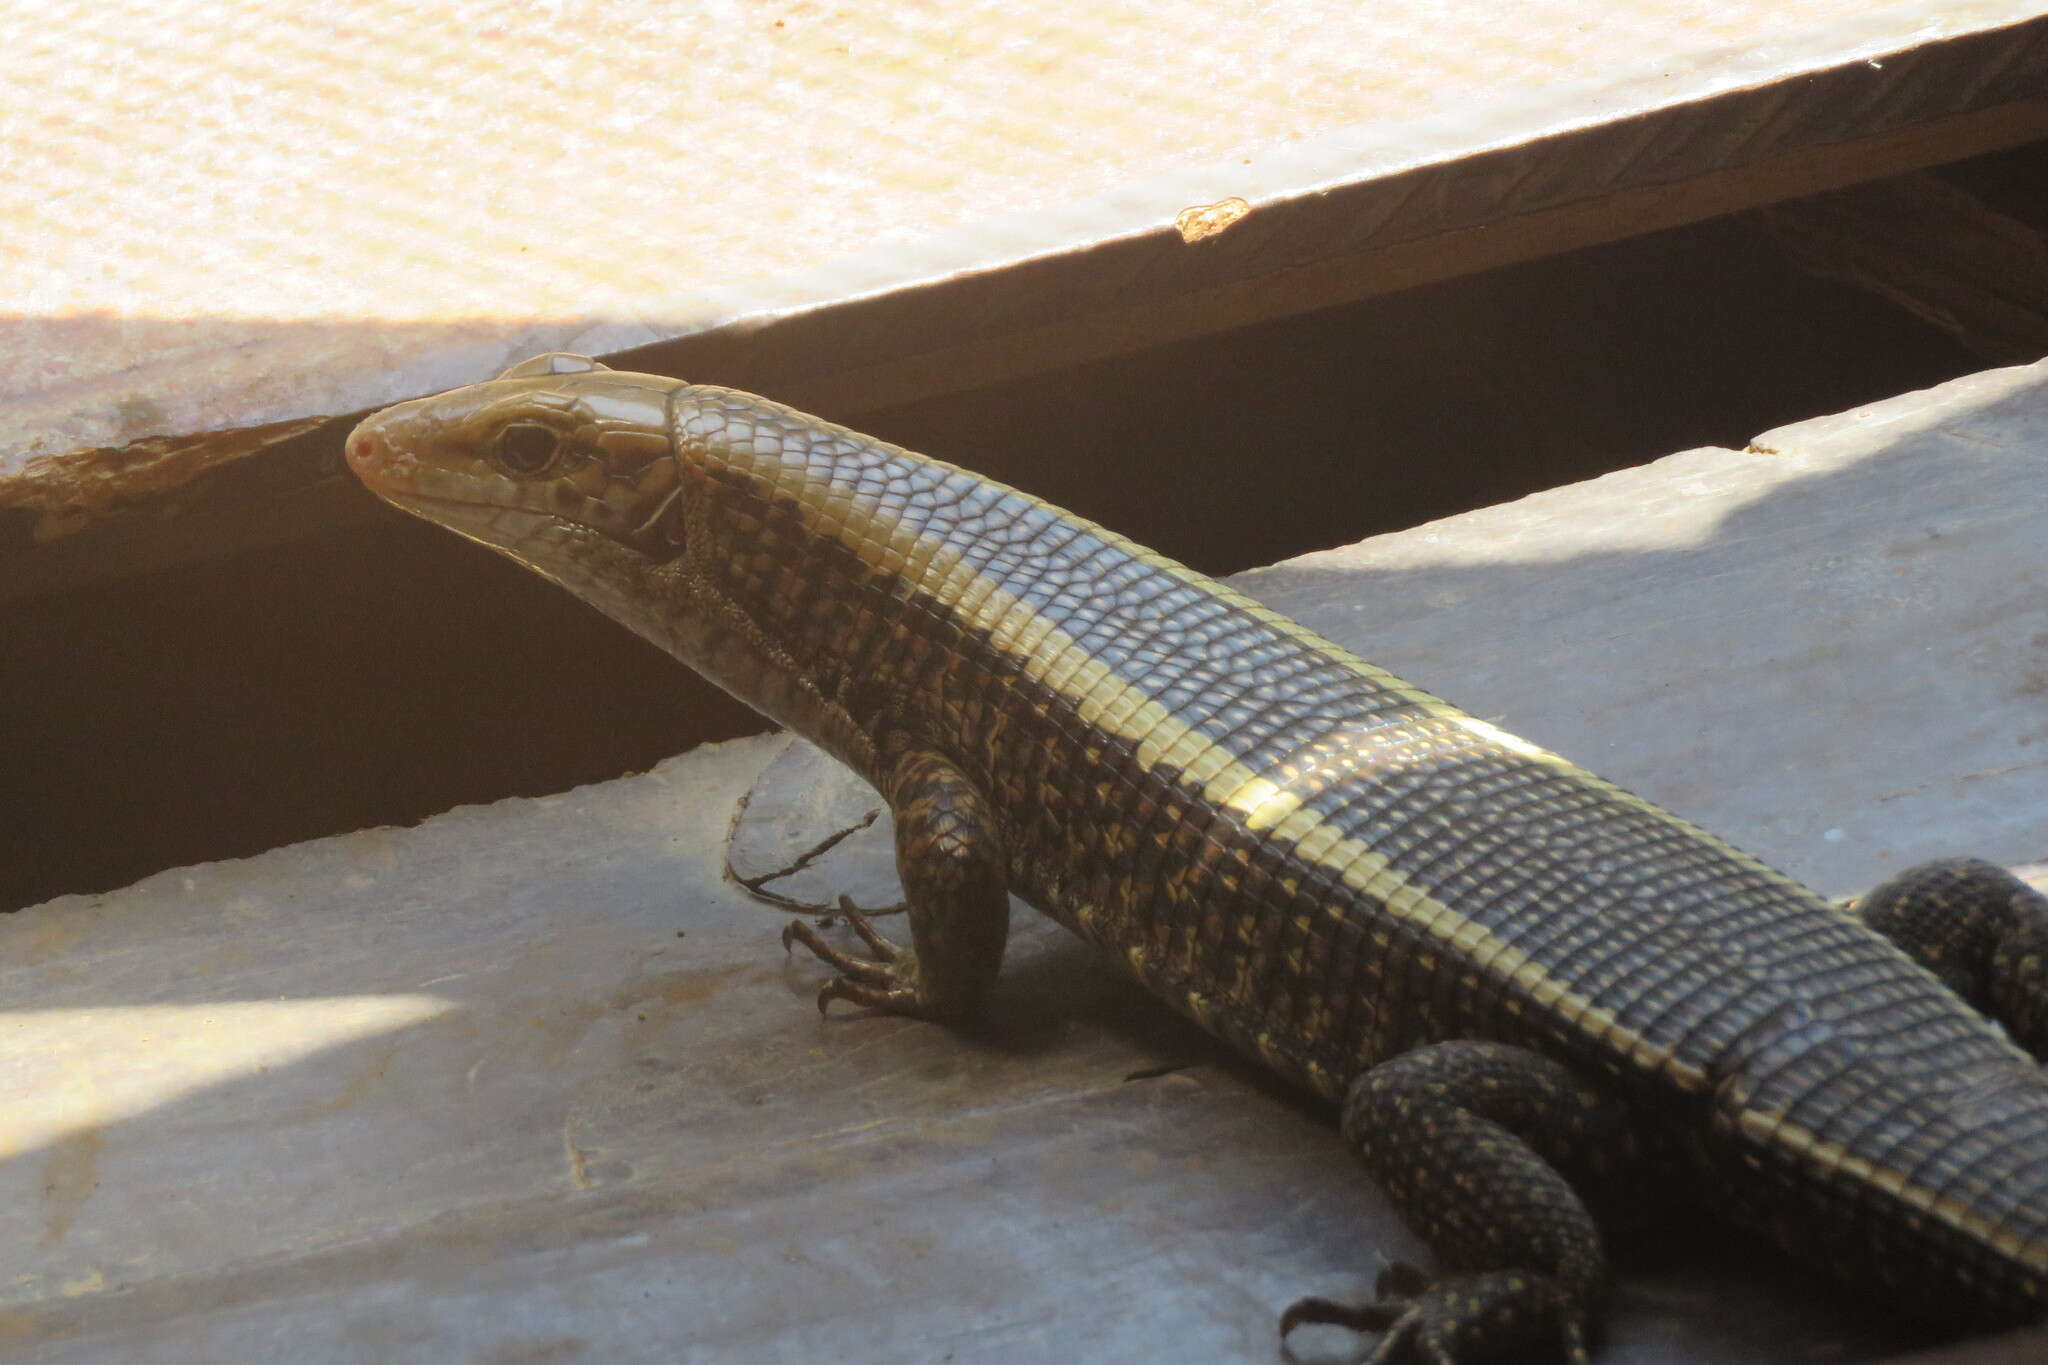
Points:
(531, 1082)
(1831, 648)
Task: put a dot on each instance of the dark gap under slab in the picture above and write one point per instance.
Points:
(380, 674)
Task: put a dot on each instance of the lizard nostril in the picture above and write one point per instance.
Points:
(364, 451)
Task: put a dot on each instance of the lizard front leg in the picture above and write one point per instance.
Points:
(1981, 930)
(949, 855)
(1466, 1139)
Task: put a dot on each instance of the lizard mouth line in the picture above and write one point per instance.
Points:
(406, 497)
(410, 497)
(489, 521)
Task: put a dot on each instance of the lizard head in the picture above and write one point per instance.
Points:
(557, 451)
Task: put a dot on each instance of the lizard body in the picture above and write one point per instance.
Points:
(1516, 978)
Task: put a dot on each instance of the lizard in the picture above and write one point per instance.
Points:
(1521, 985)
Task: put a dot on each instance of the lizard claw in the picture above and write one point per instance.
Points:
(855, 968)
(1379, 1316)
(885, 982)
(1453, 1320)
(893, 999)
(882, 948)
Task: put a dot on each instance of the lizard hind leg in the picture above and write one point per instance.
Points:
(1466, 1139)
(1981, 930)
(1500, 1315)
(949, 855)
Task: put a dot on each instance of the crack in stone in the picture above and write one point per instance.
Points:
(757, 885)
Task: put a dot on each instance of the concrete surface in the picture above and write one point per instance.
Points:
(1831, 648)
(533, 1082)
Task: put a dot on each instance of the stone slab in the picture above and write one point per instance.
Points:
(530, 1083)
(263, 216)
(1830, 648)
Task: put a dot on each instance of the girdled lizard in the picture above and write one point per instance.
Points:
(1519, 981)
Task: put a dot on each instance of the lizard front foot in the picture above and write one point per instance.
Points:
(887, 981)
(1456, 1320)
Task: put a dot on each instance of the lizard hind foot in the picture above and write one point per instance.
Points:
(886, 981)
(1502, 1315)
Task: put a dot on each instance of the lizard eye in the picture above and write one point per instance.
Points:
(527, 448)
(554, 362)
